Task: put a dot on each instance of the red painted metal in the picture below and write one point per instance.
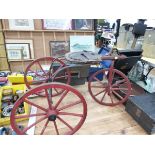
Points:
(44, 78)
(44, 127)
(32, 115)
(56, 110)
(113, 81)
(56, 128)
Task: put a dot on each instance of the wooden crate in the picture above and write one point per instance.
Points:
(142, 109)
(4, 64)
(2, 51)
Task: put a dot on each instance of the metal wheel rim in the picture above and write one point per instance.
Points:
(104, 103)
(45, 59)
(47, 86)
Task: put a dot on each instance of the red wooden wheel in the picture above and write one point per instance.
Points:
(40, 70)
(105, 91)
(63, 114)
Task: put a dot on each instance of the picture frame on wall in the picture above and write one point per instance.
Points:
(18, 51)
(21, 24)
(59, 48)
(81, 43)
(58, 24)
(82, 24)
(21, 41)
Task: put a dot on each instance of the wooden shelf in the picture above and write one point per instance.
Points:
(21, 60)
(67, 31)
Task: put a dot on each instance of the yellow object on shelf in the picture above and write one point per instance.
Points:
(6, 120)
(18, 78)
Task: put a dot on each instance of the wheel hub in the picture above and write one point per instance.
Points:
(52, 117)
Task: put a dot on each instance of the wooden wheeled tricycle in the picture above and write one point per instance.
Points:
(61, 109)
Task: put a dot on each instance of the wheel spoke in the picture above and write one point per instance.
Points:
(35, 73)
(49, 99)
(98, 80)
(111, 76)
(70, 105)
(42, 68)
(64, 122)
(117, 94)
(56, 90)
(98, 86)
(119, 89)
(58, 68)
(45, 126)
(99, 92)
(111, 99)
(40, 120)
(31, 103)
(103, 96)
(56, 128)
(118, 83)
(61, 98)
(31, 115)
(71, 114)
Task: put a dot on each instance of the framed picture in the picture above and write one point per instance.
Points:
(18, 51)
(24, 42)
(21, 24)
(60, 24)
(82, 24)
(80, 43)
(59, 48)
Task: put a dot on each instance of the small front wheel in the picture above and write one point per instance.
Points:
(107, 93)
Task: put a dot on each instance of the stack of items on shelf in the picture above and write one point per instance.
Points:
(8, 96)
(3, 78)
(9, 131)
(8, 100)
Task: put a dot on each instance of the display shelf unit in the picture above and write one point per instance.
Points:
(20, 60)
(4, 65)
(41, 39)
(80, 31)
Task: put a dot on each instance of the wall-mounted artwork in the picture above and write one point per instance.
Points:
(82, 24)
(21, 24)
(60, 24)
(80, 43)
(16, 51)
(18, 44)
(59, 48)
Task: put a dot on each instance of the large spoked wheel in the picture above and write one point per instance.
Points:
(63, 114)
(43, 72)
(107, 91)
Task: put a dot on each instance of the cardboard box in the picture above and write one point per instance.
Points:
(6, 120)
